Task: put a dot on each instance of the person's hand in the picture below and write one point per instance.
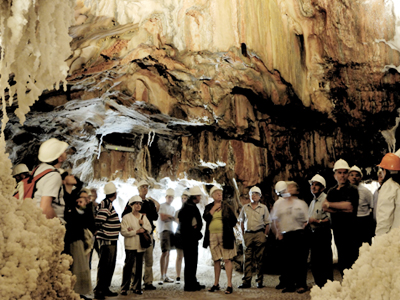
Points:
(130, 228)
(140, 222)
(280, 237)
(215, 208)
(325, 205)
(141, 230)
(312, 220)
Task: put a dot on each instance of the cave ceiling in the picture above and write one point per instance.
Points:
(254, 91)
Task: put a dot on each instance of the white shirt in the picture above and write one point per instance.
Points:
(315, 210)
(50, 185)
(254, 219)
(388, 207)
(365, 202)
(291, 215)
(166, 209)
(132, 240)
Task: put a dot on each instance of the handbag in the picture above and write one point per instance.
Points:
(145, 238)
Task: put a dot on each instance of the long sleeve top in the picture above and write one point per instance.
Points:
(107, 222)
(132, 240)
(388, 210)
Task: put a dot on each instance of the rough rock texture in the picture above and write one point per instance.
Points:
(263, 90)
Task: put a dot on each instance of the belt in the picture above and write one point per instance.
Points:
(254, 231)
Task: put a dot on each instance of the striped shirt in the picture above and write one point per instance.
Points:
(107, 221)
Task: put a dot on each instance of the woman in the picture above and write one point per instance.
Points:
(220, 220)
(388, 207)
(178, 241)
(132, 225)
(75, 246)
(290, 216)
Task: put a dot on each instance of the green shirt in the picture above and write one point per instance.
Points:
(216, 223)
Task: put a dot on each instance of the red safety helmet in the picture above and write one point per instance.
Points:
(390, 162)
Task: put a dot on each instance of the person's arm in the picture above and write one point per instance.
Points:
(267, 220)
(385, 210)
(207, 216)
(333, 207)
(45, 205)
(166, 217)
(277, 229)
(127, 229)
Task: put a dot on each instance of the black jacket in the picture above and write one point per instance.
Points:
(229, 221)
(190, 233)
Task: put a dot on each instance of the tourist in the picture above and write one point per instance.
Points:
(220, 220)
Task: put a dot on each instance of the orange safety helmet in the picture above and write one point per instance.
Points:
(390, 162)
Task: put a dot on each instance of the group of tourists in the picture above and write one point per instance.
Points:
(348, 209)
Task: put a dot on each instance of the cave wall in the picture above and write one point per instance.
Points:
(263, 90)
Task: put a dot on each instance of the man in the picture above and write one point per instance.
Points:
(165, 228)
(49, 193)
(255, 222)
(20, 172)
(320, 237)
(365, 224)
(150, 211)
(108, 227)
(190, 224)
(342, 203)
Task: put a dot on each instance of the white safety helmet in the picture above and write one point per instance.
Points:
(142, 182)
(195, 191)
(215, 188)
(19, 169)
(356, 169)
(318, 178)
(110, 188)
(341, 164)
(186, 193)
(280, 186)
(255, 189)
(134, 199)
(51, 149)
(170, 192)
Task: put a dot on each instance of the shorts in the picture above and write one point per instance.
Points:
(217, 250)
(166, 238)
(178, 241)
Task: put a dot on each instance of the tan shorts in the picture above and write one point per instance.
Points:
(217, 250)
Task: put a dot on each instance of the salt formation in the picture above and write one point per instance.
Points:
(31, 266)
(34, 44)
(375, 275)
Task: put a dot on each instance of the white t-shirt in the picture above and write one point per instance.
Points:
(291, 215)
(50, 185)
(166, 209)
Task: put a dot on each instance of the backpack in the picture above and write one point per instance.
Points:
(26, 188)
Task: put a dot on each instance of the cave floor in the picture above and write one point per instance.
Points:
(205, 275)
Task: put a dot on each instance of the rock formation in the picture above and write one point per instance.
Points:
(241, 92)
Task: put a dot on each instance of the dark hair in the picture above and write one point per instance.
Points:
(53, 163)
(63, 175)
(110, 195)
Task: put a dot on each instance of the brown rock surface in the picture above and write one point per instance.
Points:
(264, 90)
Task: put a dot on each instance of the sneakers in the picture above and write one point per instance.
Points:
(109, 293)
(161, 282)
(178, 280)
(168, 280)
